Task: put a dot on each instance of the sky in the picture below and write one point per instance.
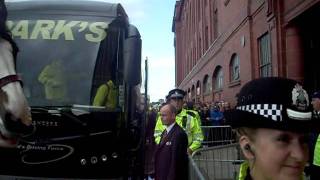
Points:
(153, 18)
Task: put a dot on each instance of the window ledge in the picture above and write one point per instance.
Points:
(235, 83)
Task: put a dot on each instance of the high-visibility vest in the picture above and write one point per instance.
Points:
(53, 79)
(244, 173)
(106, 96)
(196, 114)
(189, 122)
(316, 156)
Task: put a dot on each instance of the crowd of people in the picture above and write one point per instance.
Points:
(211, 114)
(273, 127)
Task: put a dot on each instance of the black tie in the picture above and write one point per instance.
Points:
(164, 135)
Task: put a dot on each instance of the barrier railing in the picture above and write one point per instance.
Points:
(194, 172)
(217, 135)
(219, 162)
(219, 158)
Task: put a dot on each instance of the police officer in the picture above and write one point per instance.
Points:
(54, 81)
(188, 120)
(272, 119)
(106, 96)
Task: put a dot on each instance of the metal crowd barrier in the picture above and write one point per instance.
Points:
(217, 163)
(194, 172)
(219, 158)
(217, 135)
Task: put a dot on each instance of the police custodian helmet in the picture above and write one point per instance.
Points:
(272, 102)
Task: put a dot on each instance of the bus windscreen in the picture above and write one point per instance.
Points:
(57, 58)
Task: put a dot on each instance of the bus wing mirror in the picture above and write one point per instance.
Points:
(132, 57)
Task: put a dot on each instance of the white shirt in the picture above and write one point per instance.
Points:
(168, 128)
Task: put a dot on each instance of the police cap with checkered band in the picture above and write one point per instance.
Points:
(176, 93)
(272, 102)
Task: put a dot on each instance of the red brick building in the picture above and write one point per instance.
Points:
(222, 44)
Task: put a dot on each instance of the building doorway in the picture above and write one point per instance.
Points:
(310, 34)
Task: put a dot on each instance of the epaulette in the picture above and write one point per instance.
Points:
(157, 116)
(191, 113)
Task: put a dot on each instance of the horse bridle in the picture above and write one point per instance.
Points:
(4, 81)
(9, 79)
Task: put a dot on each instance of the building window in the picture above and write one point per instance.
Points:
(265, 56)
(234, 68)
(218, 79)
(193, 92)
(215, 24)
(206, 38)
(207, 85)
(198, 88)
(189, 94)
(200, 47)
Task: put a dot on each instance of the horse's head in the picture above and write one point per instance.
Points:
(15, 116)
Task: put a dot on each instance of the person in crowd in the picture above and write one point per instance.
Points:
(216, 116)
(205, 121)
(106, 95)
(226, 106)
(171, 159)
(150, 145)
(53, 78)
(220, 105)
(316, 104)
(205, 115)
(272, 119)
(188, 120)
(189, 105)
(315, 140)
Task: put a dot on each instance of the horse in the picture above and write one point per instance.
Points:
(15, 115)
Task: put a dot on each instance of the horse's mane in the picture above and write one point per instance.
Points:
(4, 32)
(7, 36)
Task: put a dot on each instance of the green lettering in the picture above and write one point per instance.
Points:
(20, 29)
(83, 25)
(63, 28)
(98, 32)
(42, 27)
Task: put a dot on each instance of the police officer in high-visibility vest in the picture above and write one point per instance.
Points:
(315, 160)
(106, 95)
(54, 81)
(273, 119)
(188, 120)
